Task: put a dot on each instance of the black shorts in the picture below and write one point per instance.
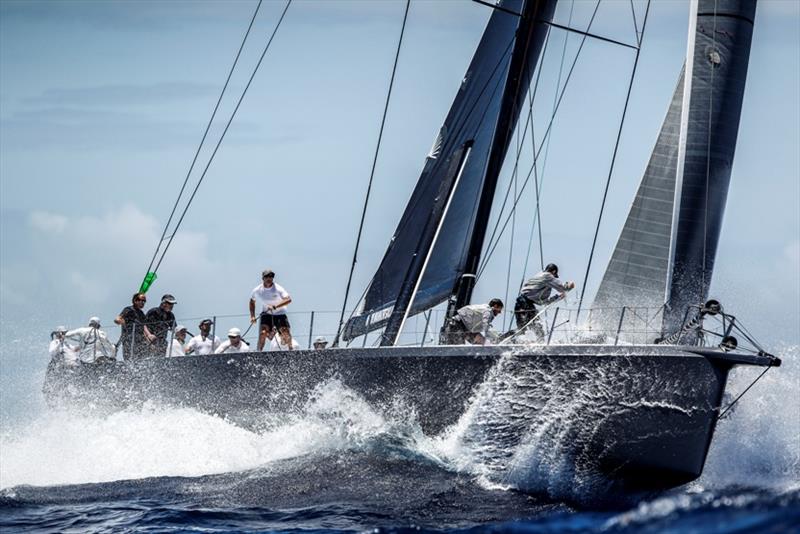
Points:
(271, 322)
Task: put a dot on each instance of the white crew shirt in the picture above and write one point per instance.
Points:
(277, 346)
(58, 347)
(177, 349)
(270, 296)
(228, 348)
(92, 344)
(202, 345)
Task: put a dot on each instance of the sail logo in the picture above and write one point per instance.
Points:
(437, 143)
(380, 315)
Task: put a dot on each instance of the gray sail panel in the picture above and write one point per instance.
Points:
(637, 273)
(721, 55)
(485, 108)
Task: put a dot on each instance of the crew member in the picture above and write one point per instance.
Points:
(473, 323)
(91, 343)
(320, 343)
(60, 350)
(535, 294)
(283, 341)
(274, 300)
(235, 343)
(176, 347)
(159, 322)
(204, 342)
(133, 338)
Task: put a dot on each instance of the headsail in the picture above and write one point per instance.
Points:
(665, 253)
(476, 132)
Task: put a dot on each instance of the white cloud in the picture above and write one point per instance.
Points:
(47, 222)
(89, 264)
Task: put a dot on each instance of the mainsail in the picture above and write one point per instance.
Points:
(665, 253)
(445, 220)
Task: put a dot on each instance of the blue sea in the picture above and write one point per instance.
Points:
(342, 466)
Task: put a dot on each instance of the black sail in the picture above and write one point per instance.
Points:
(665, 253)
(421, 267)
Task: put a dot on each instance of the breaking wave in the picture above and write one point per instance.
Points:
(757, 445)
(65, 448)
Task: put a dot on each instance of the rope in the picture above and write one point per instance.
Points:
(224, 132)
(492, 247)
(205, 134)
(613, 161)
(372, 174)
(753, 383)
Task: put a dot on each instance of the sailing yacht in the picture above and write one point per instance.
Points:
(640, 414)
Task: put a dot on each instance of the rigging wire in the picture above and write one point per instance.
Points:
(372, 175)
(224, 131)
(205, 134)
(613, 161)
(538, 152)
(536, 223)
(511, 240)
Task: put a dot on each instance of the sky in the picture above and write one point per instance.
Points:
(102, 105)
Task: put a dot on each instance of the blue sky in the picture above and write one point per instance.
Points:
(102, 105)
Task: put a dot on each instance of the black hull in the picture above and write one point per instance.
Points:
(638, 417)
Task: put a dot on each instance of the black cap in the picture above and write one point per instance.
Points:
(169, 299)
(552, 268)
(205, 321)
(267, 272)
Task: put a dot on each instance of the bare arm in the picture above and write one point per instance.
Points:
(284, 302)
(119, 320)
(252, 305)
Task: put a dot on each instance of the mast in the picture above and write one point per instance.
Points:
(528, 47)
(665, 254)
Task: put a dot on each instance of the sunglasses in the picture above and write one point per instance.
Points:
(141, 300)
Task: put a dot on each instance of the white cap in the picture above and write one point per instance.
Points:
(60, 329)
(234, 332)
(94, 321)
(180, 328)
(320, 339)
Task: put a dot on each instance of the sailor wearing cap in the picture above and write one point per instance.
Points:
(179, 338)
(535, 293)
(320, 343)
(159, 321)
(274, 300)
(204, 342)
(235, 343)
(60, 350)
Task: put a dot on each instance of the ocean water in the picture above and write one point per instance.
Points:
(341, 466)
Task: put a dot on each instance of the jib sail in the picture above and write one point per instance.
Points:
(666, 251)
